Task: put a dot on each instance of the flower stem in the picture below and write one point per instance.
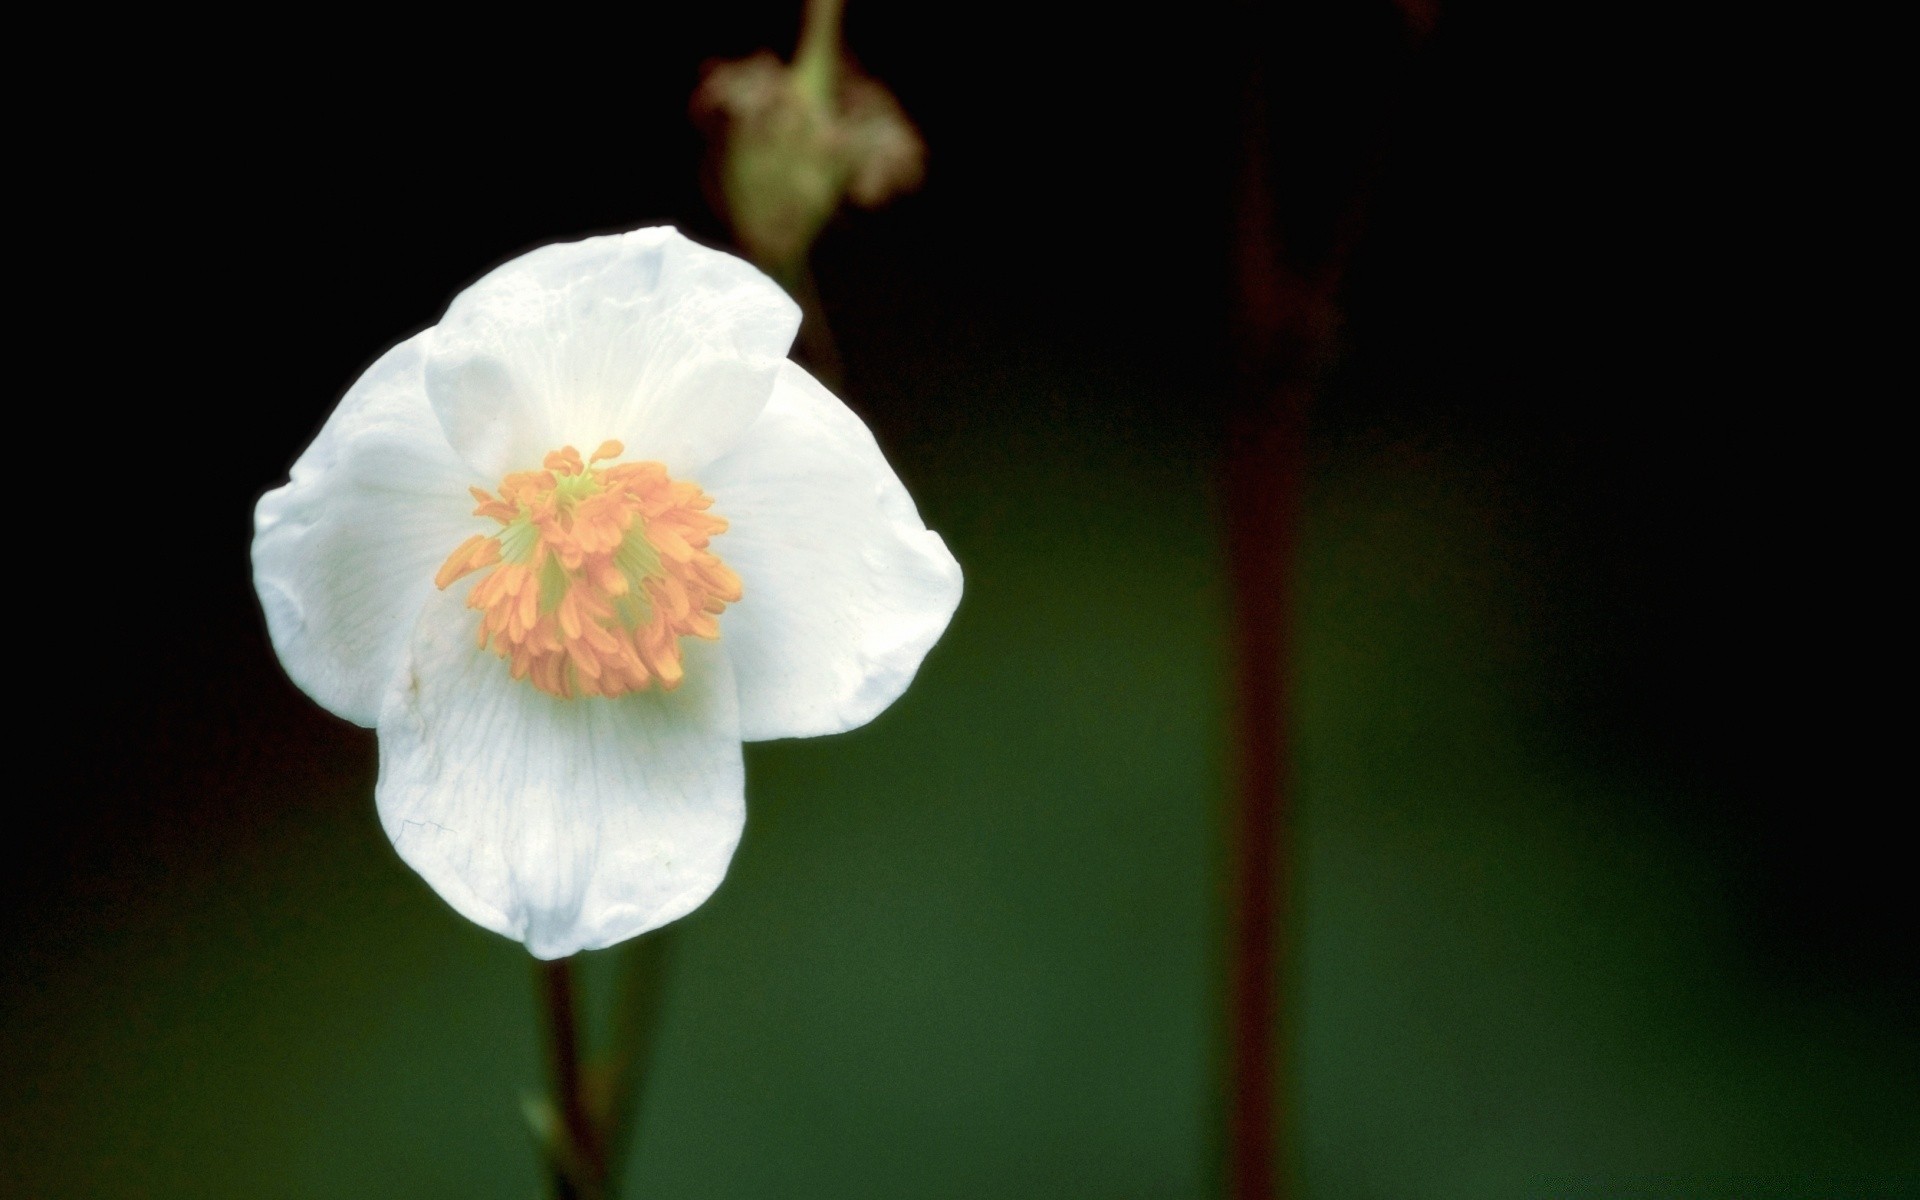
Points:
(816, 348)
(1286, 318)
(580, 1172)
(816, 60)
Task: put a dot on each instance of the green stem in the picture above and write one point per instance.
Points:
(816, 61)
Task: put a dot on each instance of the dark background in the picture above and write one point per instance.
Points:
(1596, 890)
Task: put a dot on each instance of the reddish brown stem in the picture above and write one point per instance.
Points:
(1264, 462)
(569, 1096)
(1286, 317)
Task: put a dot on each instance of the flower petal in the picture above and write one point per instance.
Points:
(643, 337)
(344, 554)
(845, 588)
(566, 824)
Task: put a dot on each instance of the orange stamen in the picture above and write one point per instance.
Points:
(595, 575)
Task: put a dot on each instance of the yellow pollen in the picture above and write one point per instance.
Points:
(596, 573)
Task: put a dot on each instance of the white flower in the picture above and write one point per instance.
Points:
(681, 541)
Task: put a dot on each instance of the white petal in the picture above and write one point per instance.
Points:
(845, 589)
(566, 824)
(643, 337)
(344, 555)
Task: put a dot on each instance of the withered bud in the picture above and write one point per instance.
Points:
(786, 144)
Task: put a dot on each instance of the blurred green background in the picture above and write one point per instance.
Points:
(1591, 899)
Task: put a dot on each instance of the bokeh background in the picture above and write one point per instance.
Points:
(1593, 895)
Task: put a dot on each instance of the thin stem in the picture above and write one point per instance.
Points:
(584, 1176)
(816, 347)
(1263, 461)
(816, 61)
(1286, 314)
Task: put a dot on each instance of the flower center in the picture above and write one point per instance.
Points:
(595, 575)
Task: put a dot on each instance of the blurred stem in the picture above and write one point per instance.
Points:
(816, 61)
(1281, 329)
(580, 1172)
(1286, 317)
(816, 347)
(816, 76)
